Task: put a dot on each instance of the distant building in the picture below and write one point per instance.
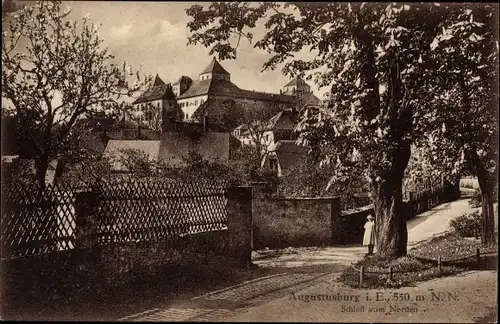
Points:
(213, 87)
(155, 102)
(280, 127)
(277, 137)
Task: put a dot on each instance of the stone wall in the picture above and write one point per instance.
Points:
(280, 222)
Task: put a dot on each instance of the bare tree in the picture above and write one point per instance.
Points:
(60, 75)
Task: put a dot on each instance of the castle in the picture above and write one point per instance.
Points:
(183, 99)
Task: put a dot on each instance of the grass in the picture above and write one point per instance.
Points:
(406, 272)
(421, 263)
(449, 246)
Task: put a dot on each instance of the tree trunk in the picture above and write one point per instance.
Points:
(390, 213)
(392, 233)
(488, 221)
(488, 230)
(487, 183)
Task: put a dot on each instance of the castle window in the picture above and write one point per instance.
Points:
(202, 101)
(195, 102)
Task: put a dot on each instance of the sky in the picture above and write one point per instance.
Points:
(153, 36)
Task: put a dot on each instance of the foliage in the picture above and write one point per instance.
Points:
(61, 75)
(375, 58)
(22, 172)
(89, 170)
(380, 61)
(246, 165)
(468, 225)
(423, 174)
(469, 183)
(304, 180)
(197, 167)
(465, 82)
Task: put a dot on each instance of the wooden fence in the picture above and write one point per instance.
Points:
(435, 264)
(43, 220)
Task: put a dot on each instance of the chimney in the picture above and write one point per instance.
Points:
(281, 92)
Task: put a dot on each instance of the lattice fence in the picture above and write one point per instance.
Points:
(36, 221)
(143, 211)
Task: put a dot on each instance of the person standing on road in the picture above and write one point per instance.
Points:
(369, 236)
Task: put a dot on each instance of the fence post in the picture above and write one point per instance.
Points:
(87, 227)
(239, 224)
(478, 256)
(86, 222)
(439, 264)
(390, 273)
(361, 275)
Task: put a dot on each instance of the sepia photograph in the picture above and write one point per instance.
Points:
(249, 161)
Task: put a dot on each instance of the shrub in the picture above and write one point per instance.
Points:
(476, 199)
(468, 225)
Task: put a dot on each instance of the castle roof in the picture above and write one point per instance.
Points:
(228, 89)
(285, 119)
(297, 81)
(289, 153)
(183, 79)
(157, 92)
(158, 81)
(214, 67)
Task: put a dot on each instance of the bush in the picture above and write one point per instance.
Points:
(468, 225)
(476, 199)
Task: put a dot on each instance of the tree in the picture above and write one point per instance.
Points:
(151, 117)
(374, 57)
(423, 174)
(463, 128)
(62, 75)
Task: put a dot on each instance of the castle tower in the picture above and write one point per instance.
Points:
(182, 85)
(214, 71)
(296, 86)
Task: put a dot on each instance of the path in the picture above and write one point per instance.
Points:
(420, 228)
(268, 298)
